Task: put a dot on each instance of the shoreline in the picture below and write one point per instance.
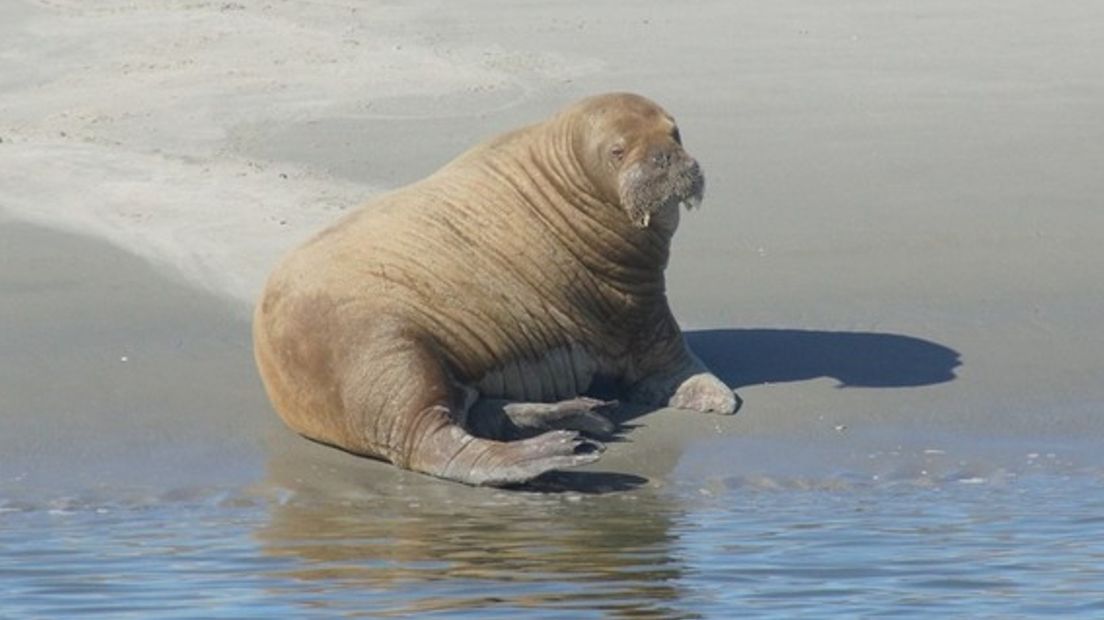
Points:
(148, 383)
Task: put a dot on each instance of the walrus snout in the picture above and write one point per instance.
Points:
(663, 156)
(687, 186)
(659, 182)
(697, 185)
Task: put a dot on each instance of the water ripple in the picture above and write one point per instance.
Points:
(1029, 548)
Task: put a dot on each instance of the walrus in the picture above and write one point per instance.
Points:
(454, 326)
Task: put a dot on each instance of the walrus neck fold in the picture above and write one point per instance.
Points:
(626, 256)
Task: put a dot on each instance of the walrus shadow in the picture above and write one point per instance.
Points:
(743, 357)
(584, 482)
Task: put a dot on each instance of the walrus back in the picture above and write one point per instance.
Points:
(467, 258)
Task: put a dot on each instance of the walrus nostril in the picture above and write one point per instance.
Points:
(662, 158)
(589, 447)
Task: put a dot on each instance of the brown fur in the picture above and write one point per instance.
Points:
(374, 334)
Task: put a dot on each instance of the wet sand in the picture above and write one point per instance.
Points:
(118, 377)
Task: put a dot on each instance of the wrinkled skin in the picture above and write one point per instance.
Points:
(450, 327)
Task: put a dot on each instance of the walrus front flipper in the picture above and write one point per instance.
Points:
(674, 377)
(450, 452)
(505, 420)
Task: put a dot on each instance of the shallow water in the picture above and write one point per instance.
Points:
(1029, 547)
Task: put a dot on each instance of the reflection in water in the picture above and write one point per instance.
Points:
(362, 533)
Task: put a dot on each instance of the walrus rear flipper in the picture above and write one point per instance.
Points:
(410, 411)
(379, 389)
(448, 451)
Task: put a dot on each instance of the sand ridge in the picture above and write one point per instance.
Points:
(116, 117)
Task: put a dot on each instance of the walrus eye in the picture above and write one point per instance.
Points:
(617, 152)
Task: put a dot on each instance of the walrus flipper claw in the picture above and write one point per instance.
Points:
(529, 458)
(484, 462)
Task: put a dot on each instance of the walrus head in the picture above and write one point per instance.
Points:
(632, 150)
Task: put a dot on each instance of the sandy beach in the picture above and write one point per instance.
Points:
(897, 263)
